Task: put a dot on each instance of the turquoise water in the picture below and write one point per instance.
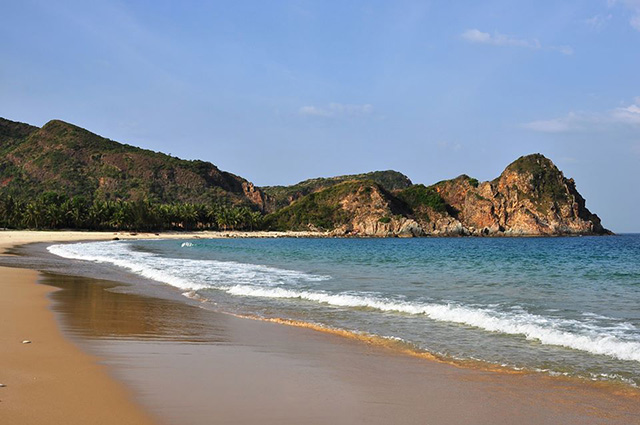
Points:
(567, 306)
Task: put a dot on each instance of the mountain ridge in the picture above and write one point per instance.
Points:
(281, 196)
(67, 158)
(530, 197)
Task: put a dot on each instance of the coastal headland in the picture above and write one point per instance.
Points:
(61, 176)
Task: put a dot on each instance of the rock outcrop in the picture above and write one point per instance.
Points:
(530, 198)
(277, 197)
(351, 208)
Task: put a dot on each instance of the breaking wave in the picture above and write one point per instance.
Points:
(253, 280)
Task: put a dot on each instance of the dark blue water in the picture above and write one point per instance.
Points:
(560, 305)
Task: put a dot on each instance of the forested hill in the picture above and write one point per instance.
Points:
(66, 159)
(282, 196)
(63, 176)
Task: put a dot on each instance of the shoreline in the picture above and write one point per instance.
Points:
(441, 379)
(64, 235)
(14, 238)
(49, 380)
(153, 289)
(405, 349)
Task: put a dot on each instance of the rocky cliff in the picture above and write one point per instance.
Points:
(530, 198)
(281, 196)
(356, 208)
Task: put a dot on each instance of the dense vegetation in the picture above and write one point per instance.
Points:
(319, 209)
(65, 158)
(419, 195)
(281, 196)
(55, 211)
(63, 176)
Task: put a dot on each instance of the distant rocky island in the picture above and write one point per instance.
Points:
(62, 176)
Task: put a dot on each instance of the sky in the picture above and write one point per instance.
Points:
(281, 91)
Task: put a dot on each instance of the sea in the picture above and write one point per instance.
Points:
(565, 306)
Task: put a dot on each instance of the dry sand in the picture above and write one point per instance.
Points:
(9, 238)
(240, 371)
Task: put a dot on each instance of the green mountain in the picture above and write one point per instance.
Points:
(67, 176)
(336, 206)
(63, 158)
(282, 196)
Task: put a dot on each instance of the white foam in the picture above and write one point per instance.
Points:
(532, 327)
(104, 252)
(254, 280)
(186, 274)
(186, 244)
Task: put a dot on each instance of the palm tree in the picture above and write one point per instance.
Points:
(188, 216)
(55, 216)
(31, 216)
(255, 220)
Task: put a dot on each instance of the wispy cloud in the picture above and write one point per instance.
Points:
(583, 121)
(628, 115)
(565, 50)
(497, 39)
(449, 146)
(634, 7)
(336, 110)
(598, 22)
(314, 110)
(570, 122)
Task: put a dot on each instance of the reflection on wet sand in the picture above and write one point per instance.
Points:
(190, 365)
(92, 308)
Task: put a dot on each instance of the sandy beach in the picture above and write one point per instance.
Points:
(50, 381)
(113, 357)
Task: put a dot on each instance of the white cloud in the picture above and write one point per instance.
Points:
(581, 121)
(598, 22)
(496, 39)
(336, 110)
(448, 146)
(628, 115)
(565, 50)
(634, 7)
(555, 125)
(313, 110)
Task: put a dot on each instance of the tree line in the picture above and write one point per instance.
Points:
(55, 211)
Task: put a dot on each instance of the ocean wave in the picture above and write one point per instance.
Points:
(104, 252)
(186, 274)
(252, 280)
(532, 327)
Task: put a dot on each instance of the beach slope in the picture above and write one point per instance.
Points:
(49, 380)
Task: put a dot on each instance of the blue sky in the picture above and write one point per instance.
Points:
(281, 91)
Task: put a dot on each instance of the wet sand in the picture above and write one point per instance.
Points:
(187, 365)
(50, 381)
